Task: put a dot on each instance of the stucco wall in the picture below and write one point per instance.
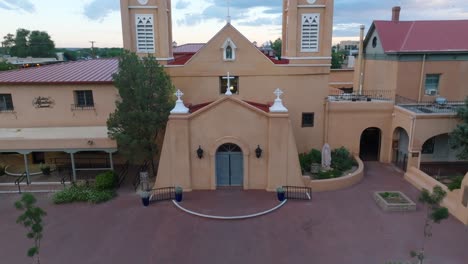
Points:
(61, 114)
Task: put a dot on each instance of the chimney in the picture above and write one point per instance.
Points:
(396, 13)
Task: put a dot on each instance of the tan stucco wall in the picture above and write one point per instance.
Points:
(247, 127)
(347, 120)
(453, 200)
(61, 114)
(379, 75)
(341, 78)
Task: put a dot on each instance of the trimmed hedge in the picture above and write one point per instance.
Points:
(106, 180)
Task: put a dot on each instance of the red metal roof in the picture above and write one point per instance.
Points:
(423, 36)
(188, 48)
(76, 72)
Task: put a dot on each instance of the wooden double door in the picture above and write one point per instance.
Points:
(229, 166)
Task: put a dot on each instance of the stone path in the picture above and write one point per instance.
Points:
(336, 227)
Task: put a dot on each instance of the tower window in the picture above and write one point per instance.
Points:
(145, 33)
(310, 32)
(233, 84)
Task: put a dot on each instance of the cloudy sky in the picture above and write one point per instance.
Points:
(75, 23)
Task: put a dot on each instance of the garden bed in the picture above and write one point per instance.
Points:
(394, 201)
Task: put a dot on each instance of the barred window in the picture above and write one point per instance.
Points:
(307, 119)
(84, 98)
(6, 103)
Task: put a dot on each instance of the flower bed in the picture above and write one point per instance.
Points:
(394, 201)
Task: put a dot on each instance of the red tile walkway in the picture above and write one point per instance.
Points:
(336, 227)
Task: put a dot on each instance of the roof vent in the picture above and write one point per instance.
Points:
(396, 13)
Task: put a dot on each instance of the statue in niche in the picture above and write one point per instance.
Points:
(228, 53)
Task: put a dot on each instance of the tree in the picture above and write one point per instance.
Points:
(276, 46)
(337, 59)
(146, 97)
(31, 219)
(6, 66)
(29, 43)
(435, 214)
(7, 43)
(459, 136)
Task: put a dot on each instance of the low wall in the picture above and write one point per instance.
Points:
(454, 199)
(337, 183)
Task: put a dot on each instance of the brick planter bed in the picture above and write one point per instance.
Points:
(394, 201)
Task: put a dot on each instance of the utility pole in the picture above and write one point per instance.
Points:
(92, 48)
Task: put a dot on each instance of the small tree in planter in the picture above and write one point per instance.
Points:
(280, 193)
(435, 214)
(31, 219)
(45, 169)
(178, 193)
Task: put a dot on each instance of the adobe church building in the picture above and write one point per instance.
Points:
(242, 117)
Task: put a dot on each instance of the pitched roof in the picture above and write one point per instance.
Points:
(98, 71)
(422, 36)
(188, 48)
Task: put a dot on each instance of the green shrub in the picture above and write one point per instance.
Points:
(45, 169)
(106, 181)
(456, 183)
(315, 156)
(82, 194)
(328, 174)
(342, 159)
(306, 159)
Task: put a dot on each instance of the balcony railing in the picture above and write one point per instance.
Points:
(77, 107)
(365, 95)
(429, 107)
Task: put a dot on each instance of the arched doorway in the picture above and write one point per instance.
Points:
(369, 148)
(229, 165)
(400, 148)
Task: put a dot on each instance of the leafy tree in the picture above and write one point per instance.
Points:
(435, 214)
(31, 219)
(276, 46)
(6, 66)
(29, 43)
(7, 43)
(337, 59)
(20, 49)
(146, 93)
(459, 136)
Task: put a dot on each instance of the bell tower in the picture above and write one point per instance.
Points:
(147, 28)
(307, 31)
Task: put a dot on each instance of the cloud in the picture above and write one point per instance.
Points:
(182, 4)
(99, 9)
(24, 5)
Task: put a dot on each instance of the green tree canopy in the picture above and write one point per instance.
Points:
(5, 66)
(146, 98)
(337, 59)
(276, 46)
(459, 136)
(29, 43)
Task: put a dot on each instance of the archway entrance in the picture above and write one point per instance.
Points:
(400, 148)
(229, 165)
(369, 149)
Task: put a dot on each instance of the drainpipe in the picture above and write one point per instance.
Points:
(423, 65)
(361, 58)
(325, 121)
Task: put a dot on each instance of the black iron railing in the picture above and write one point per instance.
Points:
(365, 95)
(64, 173)
(297, 193)
(136, 179)
(428, 107)
(20, 179)
(83, 163)
(123, 174)
(162, 194)
(77, 107)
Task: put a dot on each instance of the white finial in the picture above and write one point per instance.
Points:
(228, 19)
(278, 106)
(179, 107)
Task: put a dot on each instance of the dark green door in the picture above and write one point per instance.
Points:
(229, 166)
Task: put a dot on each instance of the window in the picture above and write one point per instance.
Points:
(431, 85)
(228, 53)
(233, 82)
(428, 146)
(307, 119)
(229, 50)
(145, 33)
(84, 98)
(6, 103)
(310, 32)
(374, 42)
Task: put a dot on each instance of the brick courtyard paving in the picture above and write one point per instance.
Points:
(336, 227)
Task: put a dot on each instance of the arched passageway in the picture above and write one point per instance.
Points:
(369, 147)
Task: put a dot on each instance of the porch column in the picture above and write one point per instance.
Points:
(111, 162)
(26, 167)
(72, 157)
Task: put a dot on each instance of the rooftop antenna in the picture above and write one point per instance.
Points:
(228, 20)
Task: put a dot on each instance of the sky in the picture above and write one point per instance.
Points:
(76, 23)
